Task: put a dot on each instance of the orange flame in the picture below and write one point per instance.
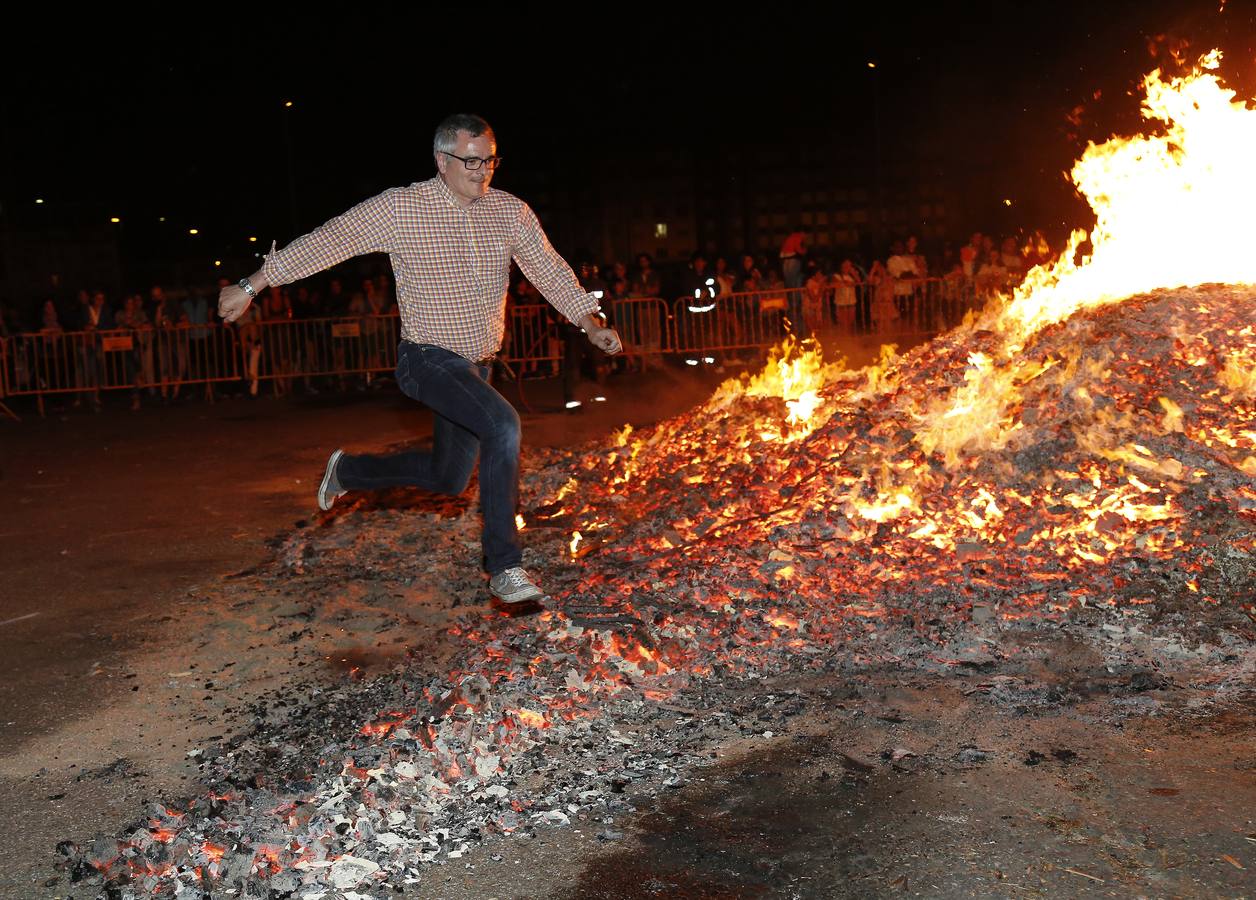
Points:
(1171, 208)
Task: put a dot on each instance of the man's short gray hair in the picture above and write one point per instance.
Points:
(446, 140)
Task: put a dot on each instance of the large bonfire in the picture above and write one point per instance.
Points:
(1088, 443)
(1050, 438)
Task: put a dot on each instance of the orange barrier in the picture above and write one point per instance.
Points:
(167, 360)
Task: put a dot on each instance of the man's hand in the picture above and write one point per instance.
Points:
(605, 339)
(233, 300)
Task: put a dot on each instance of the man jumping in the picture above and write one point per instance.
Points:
(450, 240)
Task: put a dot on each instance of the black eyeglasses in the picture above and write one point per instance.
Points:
(474, 162)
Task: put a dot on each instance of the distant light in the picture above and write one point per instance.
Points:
(1007, 202)
(597, 295)
(872, 65)
(572, 404)
(115, 220)
(708, 359)
(161, 219)
(599, 399)
(691, 362)
(287, 103)
(660, 229)
(194, 231)
(218, 262)
(252, 240)
(39, 200)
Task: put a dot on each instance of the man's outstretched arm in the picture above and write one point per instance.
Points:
(551, 275)
(369, 227)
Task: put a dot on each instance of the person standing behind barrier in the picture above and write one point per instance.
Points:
(749, 278)
(196, 338)
(51, 365)
(451, 240)
(792, 252)
(276, 335)
(920, 299)
(701, 288)
(167, 338)
(970, 256)
(902, 268)
(132, 319)
(1013, 260)
(146, 351)
(579, 361)
(622, 315)
(645, 281)
(336, 306)
(374, 327)
(305, 307)
(96, 317)
(991, 275)
(651, 325)
(852, 305)
(250, 336)
(816, 294)
(725, 279)
(731, 309)
(884, 302)
(697, 326)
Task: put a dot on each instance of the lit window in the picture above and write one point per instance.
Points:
(660, 230)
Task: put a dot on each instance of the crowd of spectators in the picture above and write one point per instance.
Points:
(159, 342)
(173, 341)
(848, 292)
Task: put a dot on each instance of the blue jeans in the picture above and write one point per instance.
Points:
(471, 419)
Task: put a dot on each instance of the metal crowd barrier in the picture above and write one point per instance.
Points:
(166, 360)
(754, 320)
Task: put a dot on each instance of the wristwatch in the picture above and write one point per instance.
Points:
(248, 288)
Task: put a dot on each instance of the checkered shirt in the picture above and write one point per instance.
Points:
(451, 264)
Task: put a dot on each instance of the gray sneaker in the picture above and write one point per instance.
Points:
(514, 586)
(330, 488)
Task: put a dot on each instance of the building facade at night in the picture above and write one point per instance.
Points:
(747, 200)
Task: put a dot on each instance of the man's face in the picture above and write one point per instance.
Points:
(465, 184)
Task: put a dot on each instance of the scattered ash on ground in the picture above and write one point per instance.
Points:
(724, 576)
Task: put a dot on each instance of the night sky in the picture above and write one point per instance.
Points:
(150, 118)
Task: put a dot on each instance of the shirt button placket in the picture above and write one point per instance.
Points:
(474, 263)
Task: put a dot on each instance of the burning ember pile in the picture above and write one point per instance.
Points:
(1084, 452)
